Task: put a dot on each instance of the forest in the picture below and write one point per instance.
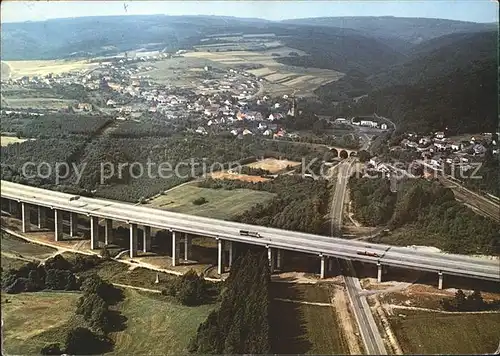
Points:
(88, 155)
(53, 124)
(423, 212)
(241, 324)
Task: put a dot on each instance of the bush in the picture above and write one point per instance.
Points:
(83, 263)
(51, 349)
(189, 289)
(61, 280)
(58, 262)
(82, 341)
(105, 254)
(200, 201)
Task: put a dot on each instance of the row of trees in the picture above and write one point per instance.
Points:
(32, 277)
(241, 324)
(472, 302)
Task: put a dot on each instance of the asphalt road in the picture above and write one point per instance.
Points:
(372, 340)
(277, 238)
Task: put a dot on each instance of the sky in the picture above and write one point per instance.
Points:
(465, 10)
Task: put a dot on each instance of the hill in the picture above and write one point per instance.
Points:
(105, 35)
(465, 100)
(338, 49)
(328, 48)
(440, 56)
(399, 32)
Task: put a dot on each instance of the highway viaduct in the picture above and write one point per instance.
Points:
(183, 227)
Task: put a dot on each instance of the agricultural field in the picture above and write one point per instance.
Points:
(39, 103)
(304, 328)
(221, 203)
(7, 140)
(181, 70)
(273, 165)
(40, 68)
(422, 332)
(234, 176)
(279, 78)
(33, 319)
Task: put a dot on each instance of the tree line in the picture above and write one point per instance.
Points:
(241, 324)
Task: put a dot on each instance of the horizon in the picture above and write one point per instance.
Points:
(477, 11)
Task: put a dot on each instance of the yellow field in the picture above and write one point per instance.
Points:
(304, 80)
(273, 165)
(7, 140)
(243, 177)
(40, 103)
(31, 68)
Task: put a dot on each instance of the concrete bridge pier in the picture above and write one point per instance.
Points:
(322, 267)
(270, 256)
(379, 272)
(175, 249)
(94, 232)
(146, 238)
(133, 240)
(230, 253)
(279, 258)
(58, 225)
(73, 224)
(220, 255)
(42, 217)
(187, 246)
(108, 231)
(330, 264)
(25, 216)
(14, 208)
(440, 281)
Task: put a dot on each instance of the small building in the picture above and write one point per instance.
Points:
(383, 126)
(440, 135)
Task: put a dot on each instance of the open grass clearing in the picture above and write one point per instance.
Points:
(22, 248)
(222, 204)
(273, 165)
(43, 67)
(420, 332)
(156, 325)
(32, 320)
(305, 329)
(8, 262)
(316, 293)
(302, 328)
